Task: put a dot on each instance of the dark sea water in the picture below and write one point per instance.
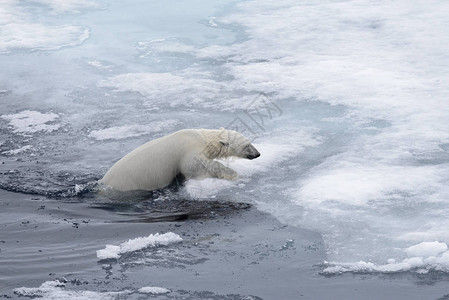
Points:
(345, 100)
(229, 250)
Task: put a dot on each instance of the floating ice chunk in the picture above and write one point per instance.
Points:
(115, 252)
(426, 249)
(55, 290)
(126, 131)
(153, 290)
(29, 121)
(45, 287)
(423, 257)
(440, 262)
(369, 267)
(111, 251)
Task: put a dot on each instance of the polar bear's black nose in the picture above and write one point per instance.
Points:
(253, 156)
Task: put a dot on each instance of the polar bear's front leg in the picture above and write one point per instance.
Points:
(218, 170)
(201, 167)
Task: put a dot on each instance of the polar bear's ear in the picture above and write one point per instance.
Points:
(221, 128)
(224, 143)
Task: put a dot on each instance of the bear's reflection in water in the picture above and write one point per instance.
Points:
(166, 207)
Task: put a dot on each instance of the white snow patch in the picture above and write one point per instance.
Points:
(67, 6)
(369, 267)
(153, 290)
(356, 184)
(435, 232)
(55, 290)
(18, 32)
(426, 249)
(28, 121)
(153, 240)
(423, 257)
(36, 36)
(126, 131)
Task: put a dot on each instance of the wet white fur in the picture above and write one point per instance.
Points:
(190, 152)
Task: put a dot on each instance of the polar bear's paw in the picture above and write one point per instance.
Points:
(230, 175)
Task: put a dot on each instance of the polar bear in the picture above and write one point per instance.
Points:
(188, 152)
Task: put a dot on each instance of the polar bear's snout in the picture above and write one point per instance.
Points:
(253, 156)
(253, 153)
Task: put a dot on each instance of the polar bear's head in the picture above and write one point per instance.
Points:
(231, 143)
(235, 144)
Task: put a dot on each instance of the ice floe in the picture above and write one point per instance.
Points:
(153, 240)
(153, 290)
(56, 290)
(423, 257)
(19, 32)
(28, 121)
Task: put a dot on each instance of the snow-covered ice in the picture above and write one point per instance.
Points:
(28, 121)
(153, 240)
(423, 257)
(56, 290)
(153, 290)
(19, 31)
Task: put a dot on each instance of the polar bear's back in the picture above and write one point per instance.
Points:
(150, 166)
(190, 152)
